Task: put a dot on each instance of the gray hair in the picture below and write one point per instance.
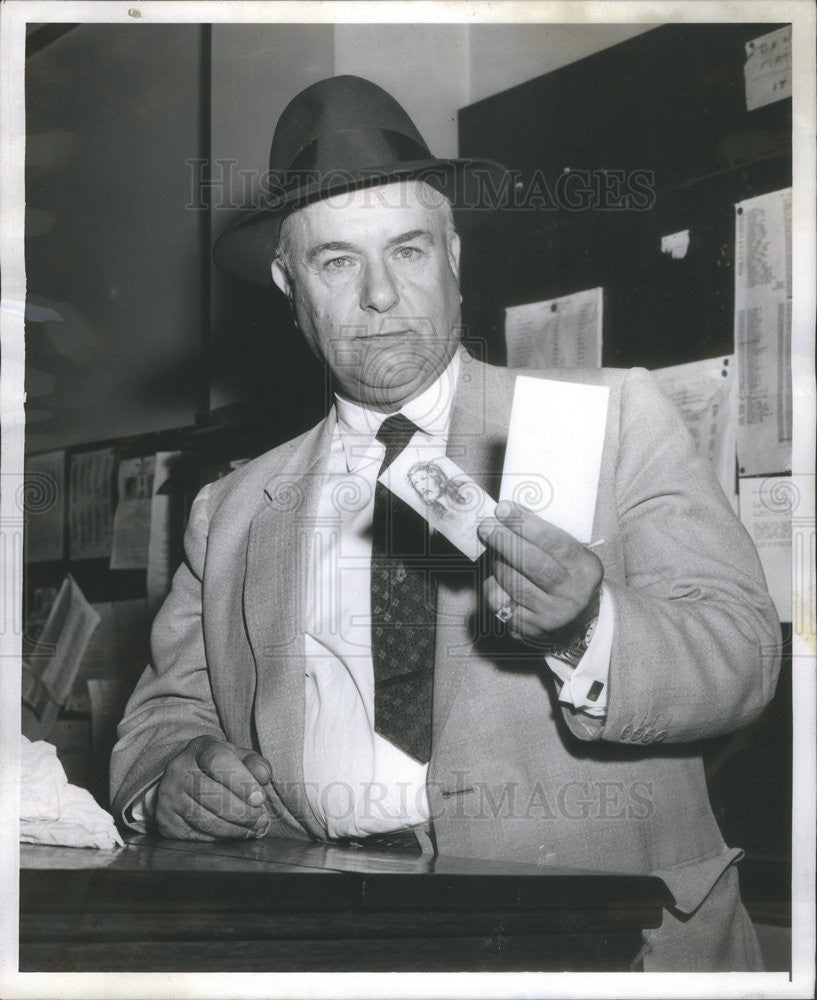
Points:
(283, 252)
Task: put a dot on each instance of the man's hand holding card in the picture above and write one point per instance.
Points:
(546, 580)
(549, 579)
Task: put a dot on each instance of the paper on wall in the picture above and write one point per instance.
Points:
(131, 523)
(44, 506)
(553, 454)
(704, 393)
(767, 71)
(556, 333)
(89, 503)
(675, 245)
(766, 512)
(763, 282)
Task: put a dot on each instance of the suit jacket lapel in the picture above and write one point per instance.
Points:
(275, 603)
(476, 442)
(480, 415)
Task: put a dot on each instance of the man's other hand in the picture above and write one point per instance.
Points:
(551, 578)
(213, 790)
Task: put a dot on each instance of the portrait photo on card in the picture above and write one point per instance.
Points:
(438, 489)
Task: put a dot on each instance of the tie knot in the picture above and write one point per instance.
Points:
(395, 433)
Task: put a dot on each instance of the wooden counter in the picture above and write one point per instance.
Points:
(286, 906)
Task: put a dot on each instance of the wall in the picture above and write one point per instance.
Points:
(425, 66)
(113, 256)
(256, 71)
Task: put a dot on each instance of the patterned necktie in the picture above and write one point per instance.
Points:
(403, 610)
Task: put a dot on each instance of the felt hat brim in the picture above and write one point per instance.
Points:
(475, 188)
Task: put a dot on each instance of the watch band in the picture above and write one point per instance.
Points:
(573, 651)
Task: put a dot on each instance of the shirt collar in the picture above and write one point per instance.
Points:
(431, 411)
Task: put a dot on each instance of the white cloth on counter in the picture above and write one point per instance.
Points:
(54, 812)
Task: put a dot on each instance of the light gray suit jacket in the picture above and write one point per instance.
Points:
(513, 774)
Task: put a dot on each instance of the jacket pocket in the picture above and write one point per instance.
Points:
(691, 882)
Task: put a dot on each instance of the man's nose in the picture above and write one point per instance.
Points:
(379, 291)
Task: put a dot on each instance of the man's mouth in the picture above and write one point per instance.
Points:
(385, 335)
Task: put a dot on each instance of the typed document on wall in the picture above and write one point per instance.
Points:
(556, 333)
(763, 282)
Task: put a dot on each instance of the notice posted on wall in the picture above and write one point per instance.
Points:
(763, 290)
(704, 393)
(767, 71)
(765, 504)
(89, 504)
(131, 523)
(556, 333)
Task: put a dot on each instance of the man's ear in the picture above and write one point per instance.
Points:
(281, 278)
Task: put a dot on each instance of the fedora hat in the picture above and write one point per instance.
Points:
(338, 135)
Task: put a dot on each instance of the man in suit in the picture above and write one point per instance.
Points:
(309, 680)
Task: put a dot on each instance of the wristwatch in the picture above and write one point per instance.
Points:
(575, 650)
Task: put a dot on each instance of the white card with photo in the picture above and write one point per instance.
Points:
(437, 488)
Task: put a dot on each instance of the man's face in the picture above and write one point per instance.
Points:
(426, 485)
(373, 278)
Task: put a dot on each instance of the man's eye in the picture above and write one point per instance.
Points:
(408, 254)
(337, 263)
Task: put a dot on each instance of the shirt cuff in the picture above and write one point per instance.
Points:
(585, 686)
(141, 808)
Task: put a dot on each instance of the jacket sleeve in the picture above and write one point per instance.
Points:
(172, 702)
(696, 646)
